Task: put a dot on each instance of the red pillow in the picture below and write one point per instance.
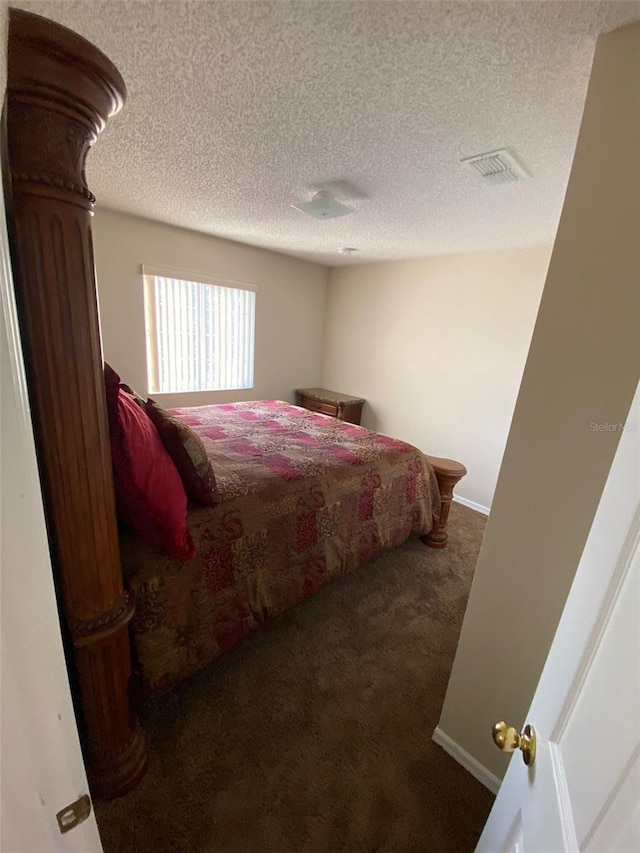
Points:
(188, 453)
(149, 492)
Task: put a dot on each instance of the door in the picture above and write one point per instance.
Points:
(41, 763)
(582, 791)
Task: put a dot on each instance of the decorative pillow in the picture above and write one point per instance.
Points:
(111, 387)
(149, 493)
(139, 400)
(188, 452)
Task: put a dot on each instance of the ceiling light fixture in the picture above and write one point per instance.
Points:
(323, 206)
(347, 250)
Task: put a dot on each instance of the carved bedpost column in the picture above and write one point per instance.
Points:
(448, 473)
(60, 92)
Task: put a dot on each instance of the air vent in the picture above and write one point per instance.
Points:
(498, 167)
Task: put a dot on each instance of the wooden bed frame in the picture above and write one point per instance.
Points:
(60, 93)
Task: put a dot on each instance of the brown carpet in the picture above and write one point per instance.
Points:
(314, 735)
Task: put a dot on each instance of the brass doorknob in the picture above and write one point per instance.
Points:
(507, 739)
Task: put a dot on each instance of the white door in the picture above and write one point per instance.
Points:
(41, 764)
(583, 791)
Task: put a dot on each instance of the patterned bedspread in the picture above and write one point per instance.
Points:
(304, 498)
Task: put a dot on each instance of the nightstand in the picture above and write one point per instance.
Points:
(341, 406)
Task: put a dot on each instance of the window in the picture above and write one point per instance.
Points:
(200, 333)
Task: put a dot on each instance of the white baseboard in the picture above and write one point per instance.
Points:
(488, 779)
(471, 504)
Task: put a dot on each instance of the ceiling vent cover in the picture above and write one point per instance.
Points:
(498, 167)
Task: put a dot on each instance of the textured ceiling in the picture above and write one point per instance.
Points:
(237, 109)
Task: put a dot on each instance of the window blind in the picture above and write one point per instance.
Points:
(200, 337)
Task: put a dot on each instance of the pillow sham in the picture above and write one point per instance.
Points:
(111, 388)
(149, 492)
(188, 453)
(139, 400)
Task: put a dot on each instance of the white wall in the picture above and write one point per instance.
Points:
(582, 370)
(290, 303)
(437, 348)
(41, 764)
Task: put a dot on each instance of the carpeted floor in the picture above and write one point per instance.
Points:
(314, 735)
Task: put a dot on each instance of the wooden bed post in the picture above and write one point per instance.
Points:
(60, 92)
(448, 474)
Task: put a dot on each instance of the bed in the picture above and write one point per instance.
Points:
(61, 92)
(302, 498)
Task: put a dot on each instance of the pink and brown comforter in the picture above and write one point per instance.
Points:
(304, 498)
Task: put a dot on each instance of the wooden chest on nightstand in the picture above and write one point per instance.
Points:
(341, 406)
